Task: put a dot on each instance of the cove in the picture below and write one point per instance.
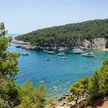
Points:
(57, 73)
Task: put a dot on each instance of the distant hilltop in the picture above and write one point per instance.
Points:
(67, 35)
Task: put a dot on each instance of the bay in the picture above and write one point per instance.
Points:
(57, 73)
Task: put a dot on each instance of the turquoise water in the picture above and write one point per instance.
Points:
(58, 73)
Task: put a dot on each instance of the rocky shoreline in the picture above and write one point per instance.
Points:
(64, 103)
(24, 45)
(97, 43)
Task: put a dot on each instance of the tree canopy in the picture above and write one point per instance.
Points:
(12, 95)
(67, 35)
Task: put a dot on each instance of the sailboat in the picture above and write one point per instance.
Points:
(50, 52)
(77, 49)
(89, 53)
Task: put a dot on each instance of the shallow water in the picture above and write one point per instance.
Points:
(58, 73)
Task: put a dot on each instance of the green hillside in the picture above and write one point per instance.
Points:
(67, 35)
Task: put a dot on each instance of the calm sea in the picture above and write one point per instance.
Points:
(58, 73)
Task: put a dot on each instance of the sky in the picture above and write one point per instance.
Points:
(23, 16)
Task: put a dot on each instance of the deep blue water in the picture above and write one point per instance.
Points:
(57, 73)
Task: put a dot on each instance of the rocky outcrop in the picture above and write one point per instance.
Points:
(29, 47)
(97, 43)
(85, 43)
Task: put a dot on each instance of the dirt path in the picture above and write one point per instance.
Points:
(105, 105)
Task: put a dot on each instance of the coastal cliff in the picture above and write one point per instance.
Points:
(97, 43)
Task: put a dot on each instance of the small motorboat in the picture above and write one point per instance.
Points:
(24, 54)
(77, 51)
(18, 46)
(61, 54)
(51, 52)
(88, 54)
(61, 49)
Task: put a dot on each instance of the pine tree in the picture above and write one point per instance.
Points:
(8, 69)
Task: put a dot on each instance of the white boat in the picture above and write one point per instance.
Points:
(77, 51)
(51, 52)
(88, 54)
(61, 54)
(24, 54)
(61, 49)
